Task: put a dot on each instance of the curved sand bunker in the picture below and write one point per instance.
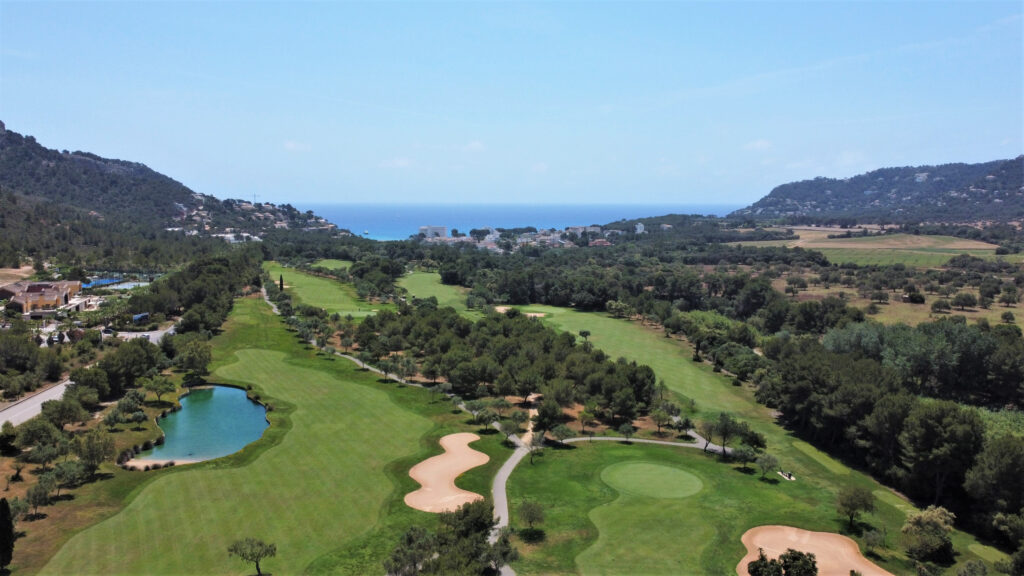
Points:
(437, 475)
(836, 554)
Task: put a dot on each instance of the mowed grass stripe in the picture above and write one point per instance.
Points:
(331, 295)
(321, 486)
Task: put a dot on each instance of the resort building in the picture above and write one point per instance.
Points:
(38, 299)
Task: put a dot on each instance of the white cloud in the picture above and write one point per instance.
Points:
(474, 146)
(539, 168)
(398, 163)
(296, 146)
(759, 144)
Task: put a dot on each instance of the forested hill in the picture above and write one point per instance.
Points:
(123, 190)
(950, 193)
(87, 181)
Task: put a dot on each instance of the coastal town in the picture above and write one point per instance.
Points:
(509, 240)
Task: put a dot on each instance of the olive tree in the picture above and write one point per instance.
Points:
(252, 550)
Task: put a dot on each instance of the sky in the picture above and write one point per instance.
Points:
(515, 102)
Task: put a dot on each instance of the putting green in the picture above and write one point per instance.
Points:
(651, 480)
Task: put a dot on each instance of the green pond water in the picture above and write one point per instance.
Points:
(212, 422)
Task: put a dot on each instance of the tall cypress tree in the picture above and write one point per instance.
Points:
(281, 282)
(6, 534)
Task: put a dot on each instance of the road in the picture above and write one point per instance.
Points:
(27, 408)
(154, 336)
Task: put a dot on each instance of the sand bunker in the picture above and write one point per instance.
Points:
(836, 554)
(503, 309)
(437, 475)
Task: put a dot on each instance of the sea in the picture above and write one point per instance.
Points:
(399, 221)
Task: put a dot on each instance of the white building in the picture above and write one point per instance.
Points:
(639, 228)
(434, 231)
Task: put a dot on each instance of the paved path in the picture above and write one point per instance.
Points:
(28, 408)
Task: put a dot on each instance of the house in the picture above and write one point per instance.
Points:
(639, 228)
(38, 299)
(434, 231)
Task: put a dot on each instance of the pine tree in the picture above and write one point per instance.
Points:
(6, 534)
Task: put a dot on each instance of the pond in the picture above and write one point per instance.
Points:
(213, 421)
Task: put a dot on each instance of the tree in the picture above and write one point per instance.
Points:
(585, 416)
(660, 419)
(941, 305)
(965, 300)
(548, 415)
(941, 440)
(706, 428)
(926, 534)
(509, 428)
(531, 512)
(195, 357)
(767, 463)
(415, 548)
(158, 385)
(36, 432)
(796, 563)
(280, 282)
(764, 566)
(585, 334)
(93, 448)
(64, 411)
(726, 428)
(562, 432)
(744, 454)
(972, 568)
(853, 500)
(39, 494)
(7, 534)
(1007, 317)
(536, 445)
(874, 539)
(252, 550)
(69, 474)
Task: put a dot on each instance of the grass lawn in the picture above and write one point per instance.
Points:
(427, 284)
(332, 264)
(819, 475)
(331, 295)
(613, 508)
(325, 483)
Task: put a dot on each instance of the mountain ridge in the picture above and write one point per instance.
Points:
(946, 193)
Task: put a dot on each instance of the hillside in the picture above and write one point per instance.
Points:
(106, 188)
(950, 193)
(82, 209)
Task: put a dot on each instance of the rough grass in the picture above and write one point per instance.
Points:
(333, 264)
(331, 295)
(324, 484)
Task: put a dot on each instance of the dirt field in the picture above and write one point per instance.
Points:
(8, 275)
(836, 555)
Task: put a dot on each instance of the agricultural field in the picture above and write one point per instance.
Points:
(912, 250)
(581, 524)
(331, 295)
(327, 490)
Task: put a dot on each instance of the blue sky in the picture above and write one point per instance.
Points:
(667, 102)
